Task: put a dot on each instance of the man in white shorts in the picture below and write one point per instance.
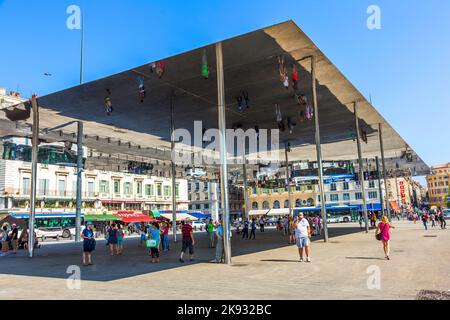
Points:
(302, 236)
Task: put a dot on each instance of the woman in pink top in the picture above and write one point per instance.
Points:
(384, 228)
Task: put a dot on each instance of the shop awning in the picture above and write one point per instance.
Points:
(132, 217)
(278, 212)
(101, 217)
(258, 212)
(199, 215)
(155, 213)
(394, 205)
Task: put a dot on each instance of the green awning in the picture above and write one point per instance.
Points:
(101, 217)
(155, 213)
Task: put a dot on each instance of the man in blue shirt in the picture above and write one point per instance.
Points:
(219, 246)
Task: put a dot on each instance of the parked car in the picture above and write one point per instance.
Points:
(339, 219)
(198, 225)
(446, 213)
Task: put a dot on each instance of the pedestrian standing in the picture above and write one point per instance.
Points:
(154, 238)
(120, 236)
(88, 244)
(165, 236)
(316, 222)
(142, 234)
(188, 240)
(261, 224)
(303, 236)
(360, 220)
(14, 238)
(383, 234)
(3, 240)
(211, 235)
(111, 237)
(253, 230)
(219, 246)
(291, 230)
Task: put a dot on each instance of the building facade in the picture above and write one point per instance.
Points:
(438, 185)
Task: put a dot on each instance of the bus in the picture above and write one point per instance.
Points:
(335, 214)
(52, 225)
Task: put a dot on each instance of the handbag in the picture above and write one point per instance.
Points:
(151, 243)
(378, 236)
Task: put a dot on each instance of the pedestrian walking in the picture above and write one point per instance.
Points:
(154, 238)
(433, 220)
(303, 236)
(425, 220)
(211, 234)
(245, 230)
(111, 238)
(253, 230)
(383, 234)
(360, 220)
(219, 246)
(88, 244)
(188, 240)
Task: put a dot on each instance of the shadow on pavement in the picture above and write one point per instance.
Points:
(52, 260)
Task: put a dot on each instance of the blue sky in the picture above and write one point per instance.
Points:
(405, 66)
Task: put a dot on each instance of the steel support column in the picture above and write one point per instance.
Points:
(79, 181)
(383, 162)
(361, 168)
(223, 153)
(34, 167)
(174, 183)
(319, 147)
(377, 160)
(288, 180)
(244, 169)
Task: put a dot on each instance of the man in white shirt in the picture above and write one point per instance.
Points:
(302, 236)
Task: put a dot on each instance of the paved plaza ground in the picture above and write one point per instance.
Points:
(265, 268)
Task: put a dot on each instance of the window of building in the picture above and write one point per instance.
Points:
(298, 203)
(358, 196)
(139, 187)
(286, 203)
(371, 184)
(44, 187)
(197, 207)
(149, 190)
(310, 202)
(346, 186)
(104, 186)
(373, 195)
(91, 189)
(116, 186)
(266, 205)
(255, 205)
(333, 187)
(276, 204)
(26, 186)
(346, 196)
(177, 190)
(127, 188)
(61, 188)
(167, 191)
(334, 197)
(206, 206)
(159, 190)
